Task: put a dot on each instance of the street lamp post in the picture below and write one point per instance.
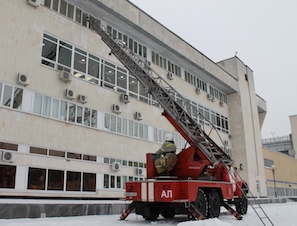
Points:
(273, 173)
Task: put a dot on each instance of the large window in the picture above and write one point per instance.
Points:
(89, 182)
(12, 97)
(55, 180)
(64, 110)
(50, 179)
(36, 178)
(7, 176)
(73, 182)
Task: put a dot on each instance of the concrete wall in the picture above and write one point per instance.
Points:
(246, 136)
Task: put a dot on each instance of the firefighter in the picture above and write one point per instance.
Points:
(166, 155)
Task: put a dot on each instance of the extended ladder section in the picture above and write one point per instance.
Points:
(165, 95)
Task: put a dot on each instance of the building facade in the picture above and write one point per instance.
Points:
(67, 131)
(280, 171)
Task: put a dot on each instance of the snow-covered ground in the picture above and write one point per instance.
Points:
(282, 214)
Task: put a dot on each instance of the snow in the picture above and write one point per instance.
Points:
(280, 214)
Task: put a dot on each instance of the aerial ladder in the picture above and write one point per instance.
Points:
(209, 153)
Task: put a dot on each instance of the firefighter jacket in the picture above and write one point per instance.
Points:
(167, 147)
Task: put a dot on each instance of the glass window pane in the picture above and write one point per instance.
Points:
(55, 5)
(57, 153)
(94, 119)
(7, 176)
(80, 62)
(7, 96)
(49, 51)
(84, 20)
(89, 182)
(106, 160)
(55, 109)
(63, 7)
(55, 180)
(79, 114)
(93, 68)
(46, 106)
(36, 178)
(72, 155)
(124, 127)
(64, 56)
(135, 129)
(119, 182)
(8, 146)
(40, 151)
(130, 128)
(122, 80)
(78, 15)
(119, 125)
(18, 98)
(47, 3)
(37, 104)
(112, 181)
(91, 158)
(72, 112)
(133, 85)
(70, 11)
(63, 110)
(106, 181)
(87, 118)
(109, 76)
(113, 123)
(107, 121)
(73, 181)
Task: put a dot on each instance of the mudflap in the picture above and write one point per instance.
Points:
(130, 208)
(194, 211)
(232, 211)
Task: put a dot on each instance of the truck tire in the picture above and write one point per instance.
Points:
(168, 213)
(214, 204)
(201, 202)
(154, 214)
(241, 205)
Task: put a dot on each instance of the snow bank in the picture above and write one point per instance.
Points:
(208, 222)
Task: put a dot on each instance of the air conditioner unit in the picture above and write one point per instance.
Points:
(209, 96)
(213, 99)
(116, 166)
(226, 142)
(34, 2)
(222, 104)
(69, 94)
(125, 98)
(116, 109)
(139, 171)
(198, 90)
(82, 98)
(23, 79)
(170, 76)
(65, 76)
(137, 116)
(8, 156)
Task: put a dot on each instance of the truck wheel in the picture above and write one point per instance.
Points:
(153, 215)
(214, 204)
(201, 202)
(241, 205)
(168, 213)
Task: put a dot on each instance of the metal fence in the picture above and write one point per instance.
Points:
(281, 191)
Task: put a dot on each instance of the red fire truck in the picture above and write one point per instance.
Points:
(201, 181)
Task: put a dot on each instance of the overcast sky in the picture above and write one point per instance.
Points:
(262, 32)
